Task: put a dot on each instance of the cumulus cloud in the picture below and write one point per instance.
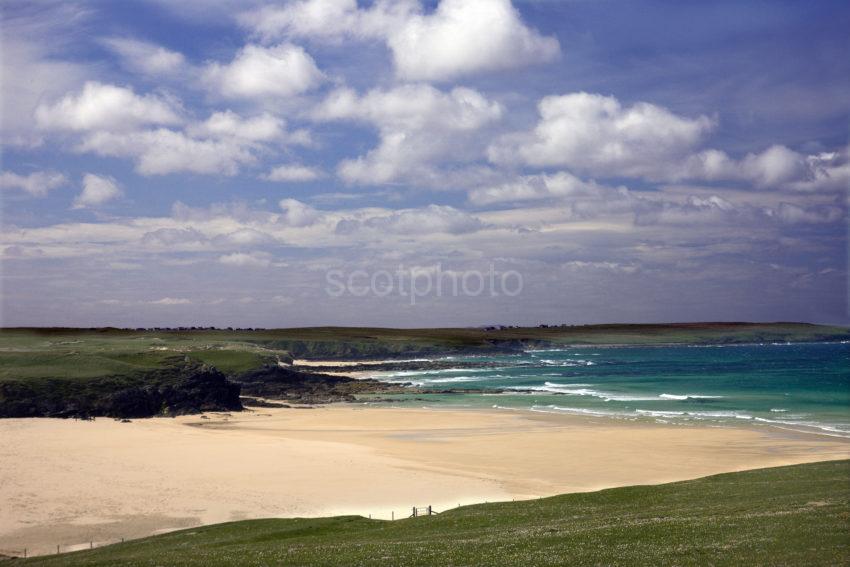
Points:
(776, 165)
(459, 38)
(606, 266)
(259, 72)
(221, 145)
(297, 214)
(34, 64)
(144, 57)
(170, 301)
(163, 151)
(418, 125)
(244, 237)
(171, 237)
(829, 171)
(818, 214)
(329, 20)
(227, 124)
(246, 260)
(292, 173)
(97, 190)
(592, 133)
(464, 37)
(433, 219)
(106, 108)
(597, 135)
(37, 184)
(533, 187)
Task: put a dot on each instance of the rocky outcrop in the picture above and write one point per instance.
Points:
(182, 389)
(309, 388)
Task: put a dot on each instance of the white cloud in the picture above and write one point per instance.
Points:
(106, 107)
(772, 167)
(170, 301)
(33, 67)
(329, 20)
(260, 72)
(227, 124)
(246, 260)
(418, 125)
(125, 266)
(460, 37)
(297, 214)
(173, 237)
(795, 214)
(533, 187)
(829, 171)
(244, 237)
(144, 57)
(464, 37)
(433, 219)
(595, 134)
(97, 190)
(36, 184)
(163, 151)
(607, 266)
(219, 145)
(292, 173)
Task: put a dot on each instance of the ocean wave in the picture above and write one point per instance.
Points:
(837, 430)
(566, 363)
(583, 390)
(551, 408)
(694, 414)
(454, 379)
(687, 397)
(832, 429)
(399, 373)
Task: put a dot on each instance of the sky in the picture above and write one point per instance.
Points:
(412, 163)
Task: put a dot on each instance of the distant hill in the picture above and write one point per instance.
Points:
(143, 372)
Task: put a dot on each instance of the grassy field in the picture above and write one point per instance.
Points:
(798, 515)
(80, 353)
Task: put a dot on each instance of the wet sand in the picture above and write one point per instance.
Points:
(70, 482)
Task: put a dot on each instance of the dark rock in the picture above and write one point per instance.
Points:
(175, 390)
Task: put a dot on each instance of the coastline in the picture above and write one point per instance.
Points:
(70, 482)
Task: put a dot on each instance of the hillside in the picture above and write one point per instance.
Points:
(797, 515)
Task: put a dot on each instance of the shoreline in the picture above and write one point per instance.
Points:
(71, 482)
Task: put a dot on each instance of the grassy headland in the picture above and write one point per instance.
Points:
(795, 515)
(139, 372)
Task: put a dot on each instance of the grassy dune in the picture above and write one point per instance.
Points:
(797, 515)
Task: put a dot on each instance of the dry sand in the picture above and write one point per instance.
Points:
(70, 482)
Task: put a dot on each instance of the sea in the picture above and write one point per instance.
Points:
(799, 386)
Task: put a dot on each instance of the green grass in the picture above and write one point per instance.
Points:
(798, 515)
(232, 361)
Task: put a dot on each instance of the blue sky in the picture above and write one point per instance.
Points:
(211, 163)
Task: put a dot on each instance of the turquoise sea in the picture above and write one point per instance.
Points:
(797, 386)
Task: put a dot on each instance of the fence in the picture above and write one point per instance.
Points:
(25, 552)
(60, 548)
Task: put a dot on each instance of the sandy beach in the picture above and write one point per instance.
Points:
(70, 482)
